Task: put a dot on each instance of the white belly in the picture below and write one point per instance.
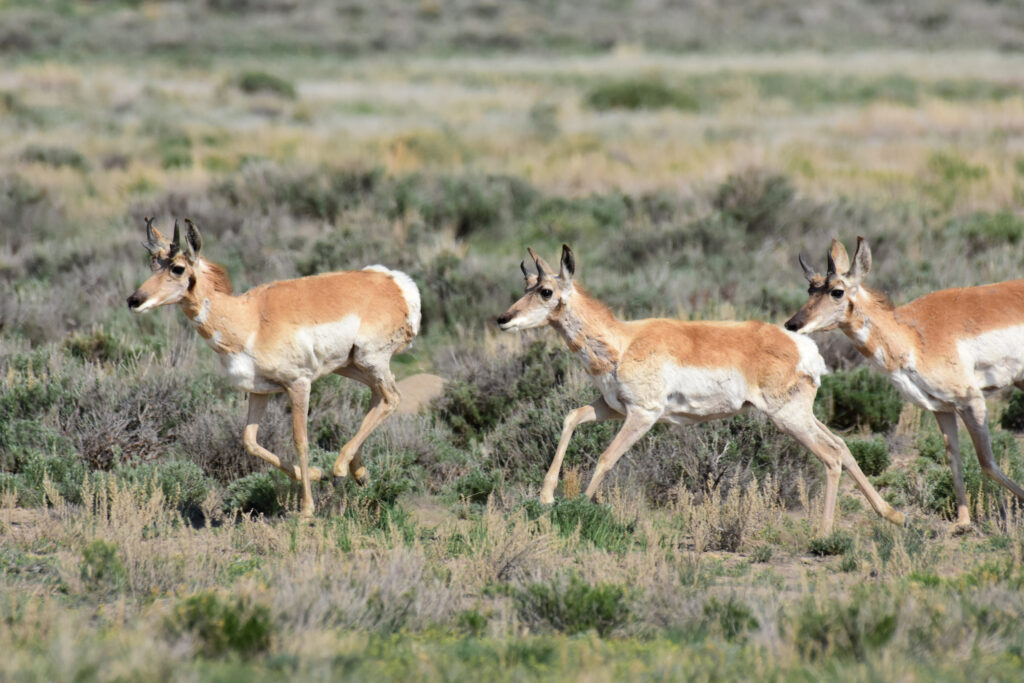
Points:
(320, 349)
(608, 385)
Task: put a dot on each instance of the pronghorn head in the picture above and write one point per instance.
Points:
(546, 293)
(834, 294)
(173, 267)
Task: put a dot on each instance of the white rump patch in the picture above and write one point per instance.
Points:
(410, 292)
(811, 363)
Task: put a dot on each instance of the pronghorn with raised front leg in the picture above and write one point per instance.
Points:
(944, 351)
(660, 370)
(284, 335)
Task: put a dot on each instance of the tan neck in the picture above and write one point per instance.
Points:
(874, 330)
(218, 316)
(591, 331)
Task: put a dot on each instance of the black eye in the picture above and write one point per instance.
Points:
(836, 293)
(177, 270)
(546, 293)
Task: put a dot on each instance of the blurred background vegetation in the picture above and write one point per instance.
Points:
(686, 150)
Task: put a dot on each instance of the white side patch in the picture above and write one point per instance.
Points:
(811, 363)
(203, 314)
(608, 385)
(326, 345)
(410, 292)
(703, 392)
(996, 358)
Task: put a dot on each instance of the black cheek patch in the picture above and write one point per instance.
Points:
(191, 282)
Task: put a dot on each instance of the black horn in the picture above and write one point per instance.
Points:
(176, 242)
(809, 272)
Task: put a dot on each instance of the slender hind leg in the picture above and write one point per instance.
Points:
(947, 425)
(383, 401)
(974, 415)
(597, 411)
(637, 423)
(796, 418)
(257, 407)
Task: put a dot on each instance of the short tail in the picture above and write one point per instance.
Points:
(410, 292)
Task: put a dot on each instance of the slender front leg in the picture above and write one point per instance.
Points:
(257, 407)
(974, 416)
(298, 392)
(947, 425)
(596, 411)
(637, 423)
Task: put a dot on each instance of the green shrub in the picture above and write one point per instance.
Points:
(256, 492)
(762, 553)
(871, 454)
(1013, 416)
(839, 543)
(733, 617)
(595, 522)
(101, 568)
(182, 482)
(475, 486)
(221, 626)
(755, 199)
(856, 629)
(251, 82)
(574, 606)
(174, 147)
(860, 397)
(641, 93)
(984, 230)
(56, 156)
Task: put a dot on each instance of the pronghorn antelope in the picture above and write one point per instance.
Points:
(659, 370)
(284, 335)
(944, 351)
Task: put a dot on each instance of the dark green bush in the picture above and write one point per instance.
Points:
(475, 486)
(856, 629)
(860, 397)
(56, 156)
(574, 606)
(251, 82)
(641, 93)
(1013, 416)
(101, 568)
(221, 627)
(871, 454)
(839, 543)
(733, 617)
(984, 230)
(257, 492)
(182, 482)
(755, 199)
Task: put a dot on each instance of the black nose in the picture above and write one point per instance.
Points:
(134, 301)
(504, 318)
(792, 326)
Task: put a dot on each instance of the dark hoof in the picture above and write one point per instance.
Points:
(363, 480)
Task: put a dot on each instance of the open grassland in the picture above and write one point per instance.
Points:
(140, 541)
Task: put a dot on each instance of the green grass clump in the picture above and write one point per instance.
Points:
(846, 630)
(595, 522)
(101, 568)
(476, 486)
(871, 454)
(861, 397)
(574, 606)
(251, 82)
(222, 626)
(838, 543)
(985, 230)
(256, 493)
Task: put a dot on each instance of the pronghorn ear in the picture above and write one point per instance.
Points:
(568, 266)
(841, 260)
(193, 241)
(861, 261)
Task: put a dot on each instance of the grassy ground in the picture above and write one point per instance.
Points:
(140, 541)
